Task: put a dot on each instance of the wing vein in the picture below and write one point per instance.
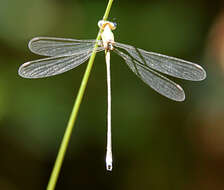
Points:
(165, 64)
(156, 81)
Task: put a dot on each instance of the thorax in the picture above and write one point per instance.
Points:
(107, 38)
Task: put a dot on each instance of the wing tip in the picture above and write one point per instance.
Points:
(21, 70)
(202, 74)
(180, 99)
(31, 42)
(181, 95)
(34, 39)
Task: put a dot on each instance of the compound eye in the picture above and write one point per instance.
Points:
(114, 25)
(100, 24)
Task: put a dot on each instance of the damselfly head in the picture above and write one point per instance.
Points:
(103, 23)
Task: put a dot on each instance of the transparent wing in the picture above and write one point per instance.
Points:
(49, 46)
(54, 65)
(165, 64)
(155, 80)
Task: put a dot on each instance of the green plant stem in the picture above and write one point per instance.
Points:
(65, 141)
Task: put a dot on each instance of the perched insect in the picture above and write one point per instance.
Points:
(65, 54)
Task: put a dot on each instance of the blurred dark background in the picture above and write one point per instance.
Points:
(158, 144)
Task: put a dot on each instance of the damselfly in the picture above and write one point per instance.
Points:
(65, 54)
